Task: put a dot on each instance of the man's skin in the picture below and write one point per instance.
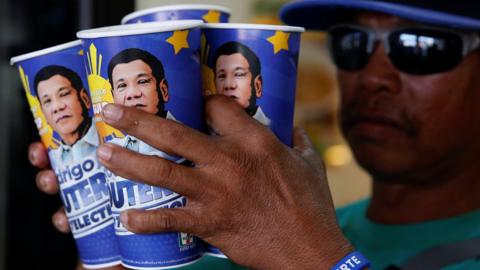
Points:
(236, 202)
(417, 136)
(233, 78)
(135, 86)
(268, 206)
(62, 108)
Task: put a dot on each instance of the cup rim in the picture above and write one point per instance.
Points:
(23, 57)
(138, 29)
(146, 11)
(274, 27)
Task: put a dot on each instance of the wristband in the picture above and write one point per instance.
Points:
(353, 261)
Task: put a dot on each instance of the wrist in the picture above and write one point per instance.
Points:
(317, 252)
(335, 248)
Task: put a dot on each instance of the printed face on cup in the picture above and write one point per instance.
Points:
(64, 101)
(237, 74)
(256, 65)
(138, 80)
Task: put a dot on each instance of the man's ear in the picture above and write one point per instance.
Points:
(258, 86)
(164, 90)
(85, 98)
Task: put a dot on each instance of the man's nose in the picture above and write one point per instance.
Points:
(133, 93)
(58, 106)
(380, 75)
(229, 84)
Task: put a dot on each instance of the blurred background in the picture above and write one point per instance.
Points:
(27, 238)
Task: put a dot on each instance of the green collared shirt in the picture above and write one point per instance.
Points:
(386, 245)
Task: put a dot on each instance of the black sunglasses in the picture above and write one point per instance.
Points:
(415, 50)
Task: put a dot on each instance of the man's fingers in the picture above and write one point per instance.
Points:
(160, 220)
(46, 181)
(151, 170)
(226, 117)
(60, 221)
(166, 135)
(37, 154)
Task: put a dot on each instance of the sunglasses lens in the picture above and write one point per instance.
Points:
(348, 48)
(422, 51)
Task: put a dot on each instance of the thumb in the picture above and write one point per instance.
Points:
(225, 116)
(304, 146)
(301, 141)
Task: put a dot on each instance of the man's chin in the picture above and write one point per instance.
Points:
(66, 132)
(67, 125)
(382, 163)
(147, 109)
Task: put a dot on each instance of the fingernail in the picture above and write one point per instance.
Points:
(59, 224)
(43, 183)
(32, 157)
(112, 112)
(104, 152)
(124, 218)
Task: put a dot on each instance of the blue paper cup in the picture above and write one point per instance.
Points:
(56, 88)
(207, 13)
(257, 66)
(145, 65)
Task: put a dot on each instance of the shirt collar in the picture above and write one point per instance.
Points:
(91, 137)
(261, 117)
(170, 116)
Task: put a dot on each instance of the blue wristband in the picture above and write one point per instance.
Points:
(353, 261)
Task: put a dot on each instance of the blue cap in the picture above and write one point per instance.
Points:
(322, 14)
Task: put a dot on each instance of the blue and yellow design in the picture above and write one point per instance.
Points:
(101, 94)
(277, 51)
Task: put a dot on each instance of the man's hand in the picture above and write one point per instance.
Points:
(265, 205)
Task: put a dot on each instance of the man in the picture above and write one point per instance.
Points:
(237, 72)
(138, 80)
(408, 118)
(406, 113)
(65, 104)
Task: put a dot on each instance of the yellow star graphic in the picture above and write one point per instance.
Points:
(279, 41)
(179, 40)
(212, 16)
(80, 52)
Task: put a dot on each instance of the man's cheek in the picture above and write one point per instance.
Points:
(118, 99)
(244, 102)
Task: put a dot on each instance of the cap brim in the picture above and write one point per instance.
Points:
(322, 14)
